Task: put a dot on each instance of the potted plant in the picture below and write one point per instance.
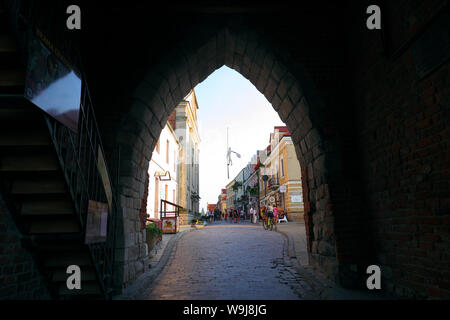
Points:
(236, 185)
(194, 222)
(153, 235)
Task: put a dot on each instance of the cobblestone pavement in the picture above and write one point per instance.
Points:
(230, 261)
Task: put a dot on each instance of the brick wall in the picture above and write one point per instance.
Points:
(404, 136)
(19, 277)
(372, 138)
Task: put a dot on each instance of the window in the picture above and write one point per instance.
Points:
(157, 146)
(282, 167)
(167, 151)
(174, 162)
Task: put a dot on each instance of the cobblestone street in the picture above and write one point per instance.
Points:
(230, 261)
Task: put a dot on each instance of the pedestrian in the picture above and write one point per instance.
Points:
(253, 214)
(275, 215)
(270, 212)
(265, 213)
(262, 213)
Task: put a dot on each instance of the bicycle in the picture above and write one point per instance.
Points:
(268, 223)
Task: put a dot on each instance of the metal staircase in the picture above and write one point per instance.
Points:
(48, 174)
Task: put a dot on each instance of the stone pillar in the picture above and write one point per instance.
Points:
(184, 218)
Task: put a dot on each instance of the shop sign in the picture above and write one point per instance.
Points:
(169, 224)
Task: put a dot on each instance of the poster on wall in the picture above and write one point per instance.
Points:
(96, 222)
(101, 167)
(52, 85)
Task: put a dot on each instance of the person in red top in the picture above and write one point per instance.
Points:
(236, 216)
(275, 215)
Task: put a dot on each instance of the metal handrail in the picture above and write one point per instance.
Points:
(164, 204)
(78, 155)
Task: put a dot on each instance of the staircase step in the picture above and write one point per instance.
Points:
(3, 20)
(87, 288)
(11, 90)
(87, 274)
(9, 60)
(65, 259)
(58, 246)
(29, 163)
(7, 44)
(46, 207)
(12, 77)
(20, 136)
(56, 224)
(38, 185)
(18, 109)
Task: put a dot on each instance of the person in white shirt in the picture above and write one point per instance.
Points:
(253, 214)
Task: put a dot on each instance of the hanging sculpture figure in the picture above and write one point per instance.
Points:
(229, 161)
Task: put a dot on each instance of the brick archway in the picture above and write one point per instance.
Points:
(289, 89)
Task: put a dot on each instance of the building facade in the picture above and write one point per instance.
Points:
(222, 201)
(240, 200)
(184, 122)
(290, 183)
(163, 173)
(174, 167)
(211, 206)
(280, 178)
(231, 195)
(250, 176)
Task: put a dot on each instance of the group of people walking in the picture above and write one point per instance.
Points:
(215, 215)
(236, 215)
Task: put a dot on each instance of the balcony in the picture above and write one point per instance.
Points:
(273, 183)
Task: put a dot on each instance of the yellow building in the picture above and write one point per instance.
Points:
(231, 195)
(283, 187)
(222, 201)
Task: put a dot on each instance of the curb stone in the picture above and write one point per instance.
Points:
(317, 286)
(139, 289)
(324, 288)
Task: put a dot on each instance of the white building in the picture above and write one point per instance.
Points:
(162, 171)
(184, 120)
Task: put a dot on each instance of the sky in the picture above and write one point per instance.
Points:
(227, 99)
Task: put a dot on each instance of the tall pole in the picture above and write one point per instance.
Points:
(228, 161)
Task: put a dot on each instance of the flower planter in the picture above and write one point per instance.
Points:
(152, 237)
